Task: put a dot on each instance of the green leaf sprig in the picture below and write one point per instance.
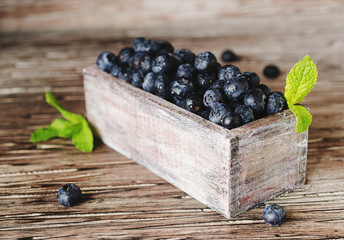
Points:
(72, 126)
(300, 81)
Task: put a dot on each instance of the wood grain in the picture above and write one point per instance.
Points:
(123, 200)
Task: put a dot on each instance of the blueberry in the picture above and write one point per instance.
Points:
(235, 89)
(265, 88)
(136, 78)
(138, 44)
(274, 215)
(166, 47)
(229, 56)
(275, 103)
(271, 71)
(164, 64)
(177, 59)
(205, 61)
(193, 103)
(246, 113)
(212, 96)
(146, 45)
(181, 90)
(231, 120)
(228, 72)
(217, 68)
(125, 55)
(69, 195)
(234, 105)
(217, 112)
(149, 82)
(179, 102)
(162, 86)
(151, 47)
(146, 64)
(106, 60)
(205, 79)
(186, 55)
(255, 99)
(124, 74)
(218, 84)
(204, 114)
(252, 78)
(115, 70)
(185, 73)
(136, 60)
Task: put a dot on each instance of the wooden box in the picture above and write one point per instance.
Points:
(230, 171)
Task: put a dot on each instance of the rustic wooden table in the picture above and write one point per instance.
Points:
(45, 44)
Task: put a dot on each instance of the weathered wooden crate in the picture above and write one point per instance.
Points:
(230, 171)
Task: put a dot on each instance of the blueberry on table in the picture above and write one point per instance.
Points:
(231, 120)
(274, 215)
(246, 113)
(186, 55)
(275, 103)
(69, 195)
(255, 99)
(235, 89)
(205, 61)
(228, 56)
(228, 72)
(106, 60)
(271, 71)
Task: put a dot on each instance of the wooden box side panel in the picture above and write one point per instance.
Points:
(162, 137)
(268, 160)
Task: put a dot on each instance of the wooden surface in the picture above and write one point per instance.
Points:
(228, 171)
(45, 44)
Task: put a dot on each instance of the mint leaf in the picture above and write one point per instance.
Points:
(65, 128)
(51, 99)
(300, 80)
(73, 126)
(83, 139)
(303, 117)
(43, 134)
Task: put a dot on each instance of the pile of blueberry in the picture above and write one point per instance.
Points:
(197, 83)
